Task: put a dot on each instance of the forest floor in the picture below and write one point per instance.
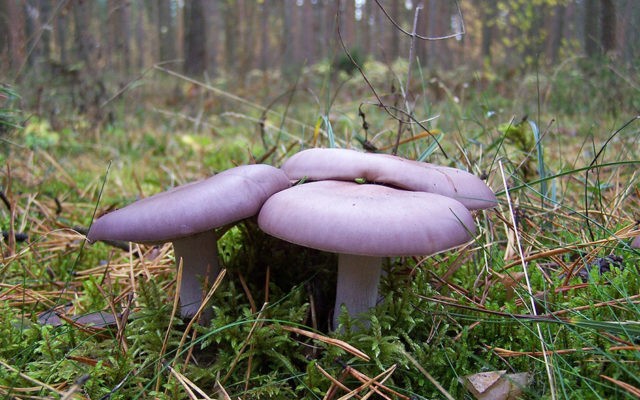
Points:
(550, 308)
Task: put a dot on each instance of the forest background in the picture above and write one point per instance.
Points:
(102, 45)
(104, 102)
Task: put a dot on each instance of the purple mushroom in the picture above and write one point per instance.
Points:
(364, 223)
(187, 216)
(347, 165)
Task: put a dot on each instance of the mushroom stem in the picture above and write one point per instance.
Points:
(199, 254)
(357, 287)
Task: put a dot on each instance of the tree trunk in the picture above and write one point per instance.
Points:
(432, 26)
(394, 35)
(246, 11)
(195, 57)
(264, 39)
(367, 31)
(213, 42)
(45, 40)
(118, 22)
(230, 35)
(488, 14)
(62, 23)
(557, 32)
(591, 27)
(308, 48)
(287, 63)
(629, 31)
(14, 41)
(329, 31)
(84, 42)
(607, 25)
(140, 37)
(166, 31)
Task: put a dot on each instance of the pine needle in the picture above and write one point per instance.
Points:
(331, 341)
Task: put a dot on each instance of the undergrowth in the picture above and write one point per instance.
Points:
(572, 193)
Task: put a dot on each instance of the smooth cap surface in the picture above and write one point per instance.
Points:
(346, 165)
(372, 220)
(196, 207)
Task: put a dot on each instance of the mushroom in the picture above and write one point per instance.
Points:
(364, 223)
(636, 243)
(187, 216)
(347, 165)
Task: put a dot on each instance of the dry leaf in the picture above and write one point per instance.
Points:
(496, 385)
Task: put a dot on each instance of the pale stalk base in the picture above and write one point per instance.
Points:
(357, 289)
(199, 254)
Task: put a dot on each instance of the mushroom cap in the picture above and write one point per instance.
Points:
(192, 208)
(346, 165)
(365, 219)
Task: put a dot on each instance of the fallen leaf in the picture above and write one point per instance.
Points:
(496, 385)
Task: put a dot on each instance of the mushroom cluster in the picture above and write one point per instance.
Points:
(362, 206)
(367, 206)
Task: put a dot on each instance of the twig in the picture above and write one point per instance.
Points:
(380, 103)
(30, 379)
(188, 385)
(629, 388)
(547, 362)
(593, 165)
(4, 199)
(334, 383)
(405, 94)
(430, 38)
(76, 387)
(258, 322)
(428, 376)
(131, 82)
(510, 353)
(174, 309)
(205, 301)
(223, 392)
(226, 94)
(367, 383)
(335, 342)
(11, 239)
(378, 384)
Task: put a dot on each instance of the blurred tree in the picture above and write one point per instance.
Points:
(119, 37)
(308, 32)
(195, 41)
(240, 35)
(13, 41)
(629, 40)
(34, 29)
(140, 36)
(287, 62)
(166, 26)
(247, 35)
(264, 36)
(488, 12)
(608, 25)
(393, 42)
(230, 21)
(557, 32)
(213, 12)
(591, 27)
(84, 44)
